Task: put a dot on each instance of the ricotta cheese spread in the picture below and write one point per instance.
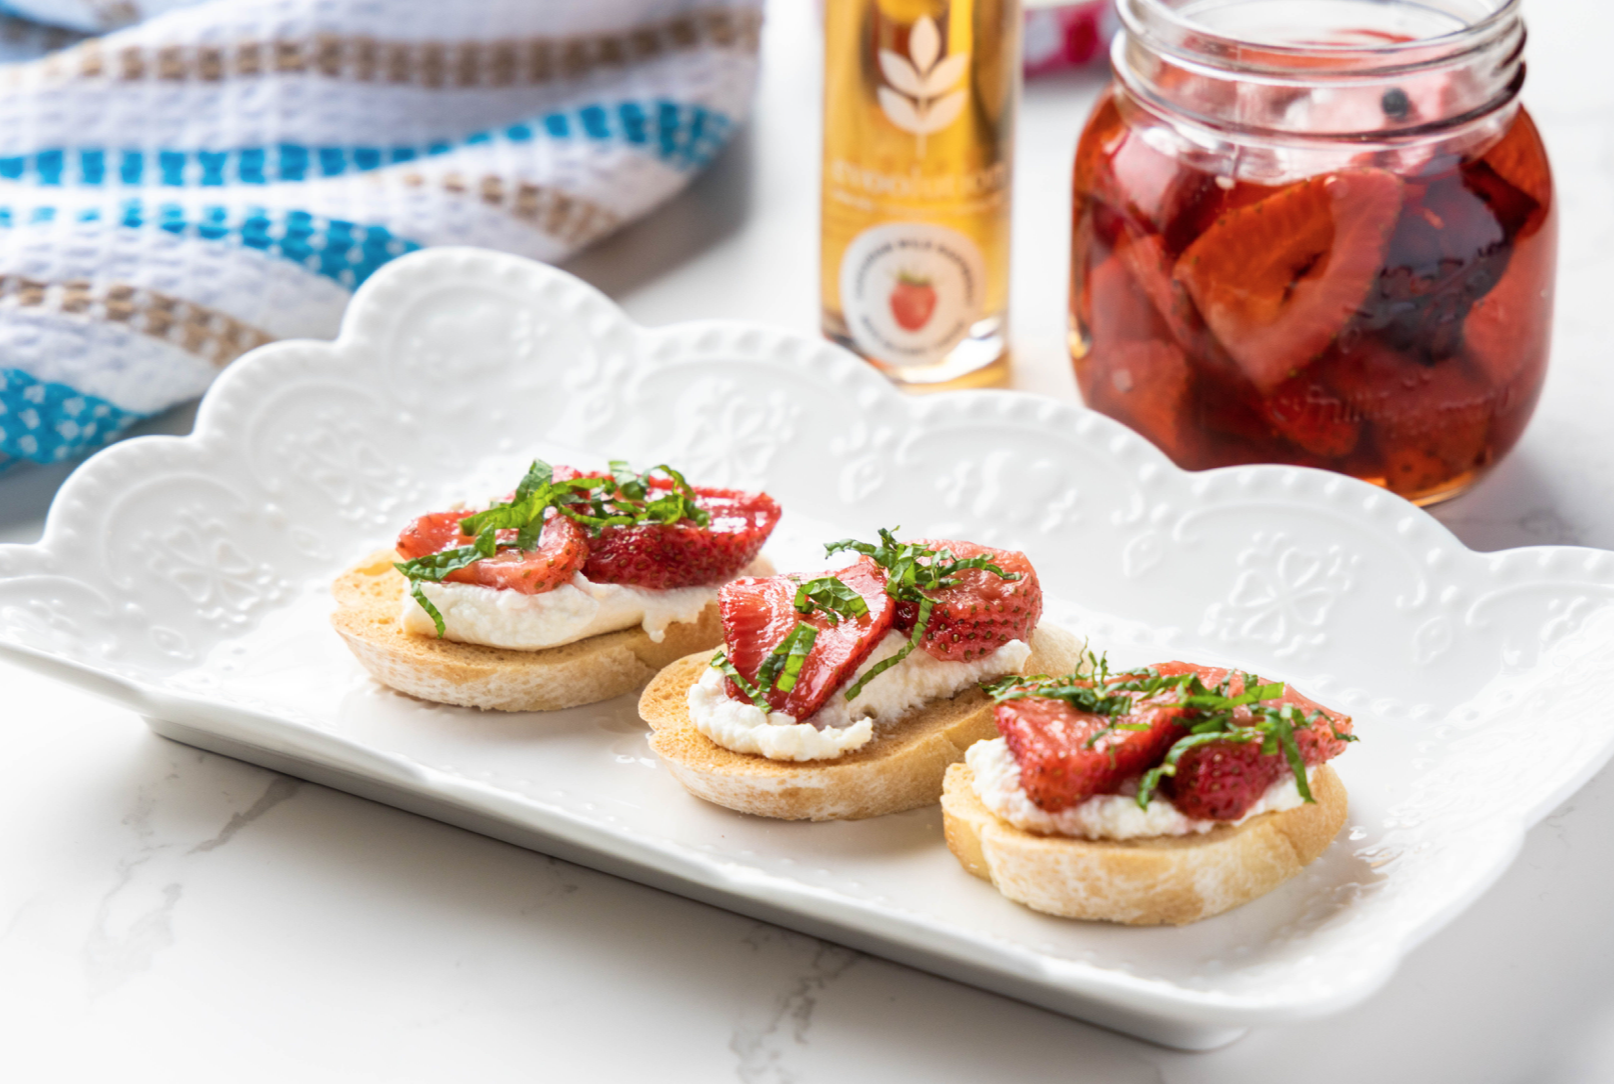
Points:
(473, 614)
(841, 726)
(1103, 816)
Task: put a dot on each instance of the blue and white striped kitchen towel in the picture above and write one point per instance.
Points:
(226, 172)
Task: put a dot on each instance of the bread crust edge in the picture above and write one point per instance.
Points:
(501, 679)
(1172, 880)
(901, 769)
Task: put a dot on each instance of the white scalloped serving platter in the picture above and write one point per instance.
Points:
(187, 578)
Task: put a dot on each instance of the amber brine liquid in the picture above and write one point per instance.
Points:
(1389, 325)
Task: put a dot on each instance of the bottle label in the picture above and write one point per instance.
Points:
(910, 291)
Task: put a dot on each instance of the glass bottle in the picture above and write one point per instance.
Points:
(1319, 232)
(919, 104)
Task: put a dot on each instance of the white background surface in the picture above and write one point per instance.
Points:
(168, 914)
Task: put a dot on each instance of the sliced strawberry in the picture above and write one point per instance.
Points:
(662, 556)
(562, 549)
(1520, 159)
(1416, 464)
(1197, 200)
(1143, 174)
(1278, 279)
(1374, 381)
(1115, 164)
(1222, 780)
(1509, 330)
(1146, 385)
(1310, 415)
(1515, 402)
(1413, 471)
(759, 613)
(1115, 308)
(1430, 422)
(1101, 135)
(983, 611)
(1058, 769)
(1149, 267)
(432, 533)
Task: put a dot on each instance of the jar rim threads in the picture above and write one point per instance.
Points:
(1174, 57)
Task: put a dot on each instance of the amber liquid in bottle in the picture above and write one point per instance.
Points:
(919, 102)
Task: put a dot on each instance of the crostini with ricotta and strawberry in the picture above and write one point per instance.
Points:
(576, 588)
(847, 694)
(1161, 795)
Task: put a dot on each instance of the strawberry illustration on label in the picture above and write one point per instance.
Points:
(911, 291)
(913, 301)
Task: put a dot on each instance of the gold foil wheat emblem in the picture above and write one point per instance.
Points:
(920, 98)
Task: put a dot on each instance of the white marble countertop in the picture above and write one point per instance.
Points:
(170, 914)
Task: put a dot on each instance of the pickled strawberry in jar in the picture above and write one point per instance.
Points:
(1318, 232)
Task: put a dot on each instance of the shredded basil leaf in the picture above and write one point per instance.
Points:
(907, 649)
(913, 572)
(783, 665)
(434, 568)
(829, 596)
(623, 499)
(426, 604)
(721, 662)
(630, 499)
(1211, 715)
(912, 569)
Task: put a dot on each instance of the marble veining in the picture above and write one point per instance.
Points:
(1517, 990)
(769, 1036)
(134, 918)
(560, 883)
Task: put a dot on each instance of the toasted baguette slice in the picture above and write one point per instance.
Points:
(900, 769)
(368, 597)
(1171, 880)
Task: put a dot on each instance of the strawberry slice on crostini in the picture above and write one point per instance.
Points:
(1276, 280)
(664, 556)
(1192, 733)
(759, 614)
(1221, 780)
(982, 610)
(1067, 755)
(561, 552)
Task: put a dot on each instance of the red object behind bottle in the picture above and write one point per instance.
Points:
(1067, 35)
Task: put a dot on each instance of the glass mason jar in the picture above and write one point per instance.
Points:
(1318, 232)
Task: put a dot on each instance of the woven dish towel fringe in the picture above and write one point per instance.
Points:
(225, 174)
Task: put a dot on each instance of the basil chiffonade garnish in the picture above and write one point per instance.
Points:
(624, 499)
(1210, 712)
(912, 571)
